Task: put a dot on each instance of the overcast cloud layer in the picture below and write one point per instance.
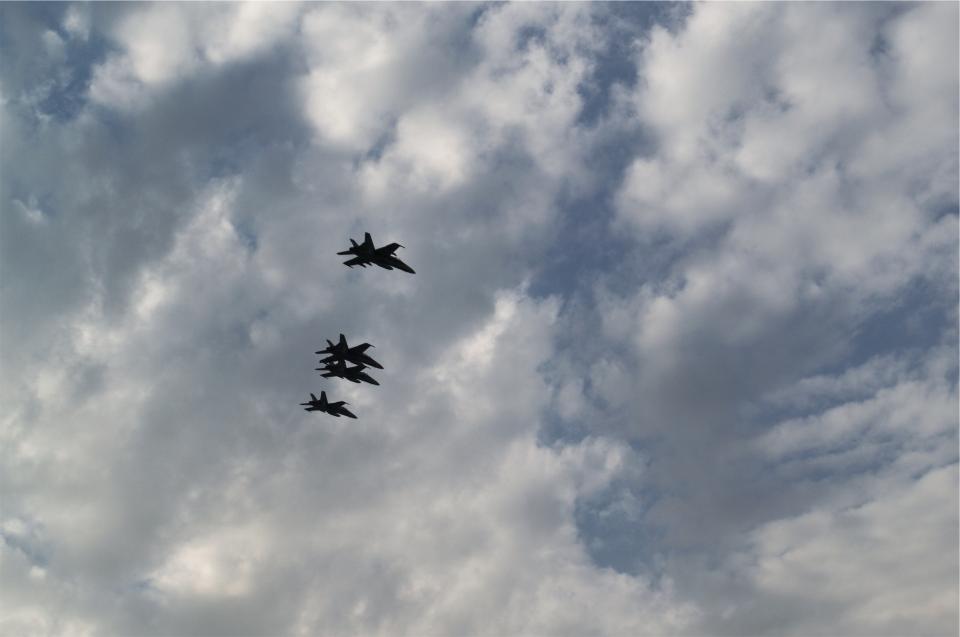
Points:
(680, 356)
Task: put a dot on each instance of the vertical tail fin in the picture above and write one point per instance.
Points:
(312, 396)
(367, 240)
(343, 341)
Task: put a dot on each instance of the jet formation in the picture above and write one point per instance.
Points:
(340, 360)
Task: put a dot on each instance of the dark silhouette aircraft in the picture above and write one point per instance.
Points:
(339, 369)
(366, 254)
(343, 352)
(336, 409)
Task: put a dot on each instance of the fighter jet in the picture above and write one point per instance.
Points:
(343, 352)
(336, 409)
(339, 369)
(366, 254)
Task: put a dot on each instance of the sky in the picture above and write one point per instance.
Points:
(680, 356)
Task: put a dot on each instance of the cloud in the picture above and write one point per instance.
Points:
(909, 410)
(814, 249)
(166, 43)
(183, 490)
(680, 342)
(871, 568)
(775, 255)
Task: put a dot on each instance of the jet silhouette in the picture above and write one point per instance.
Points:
(366, 254)
(336, 409)
(339, 369)
(343, 352)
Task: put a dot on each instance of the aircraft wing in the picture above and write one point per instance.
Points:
(346, 412)
(388, 249)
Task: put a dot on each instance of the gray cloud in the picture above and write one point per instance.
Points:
(655, 374)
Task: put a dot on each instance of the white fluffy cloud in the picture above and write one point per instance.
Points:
(736, 453)
(162, 43)
(156, 455)
(803, 191)
(878, 566)
(783, 177)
